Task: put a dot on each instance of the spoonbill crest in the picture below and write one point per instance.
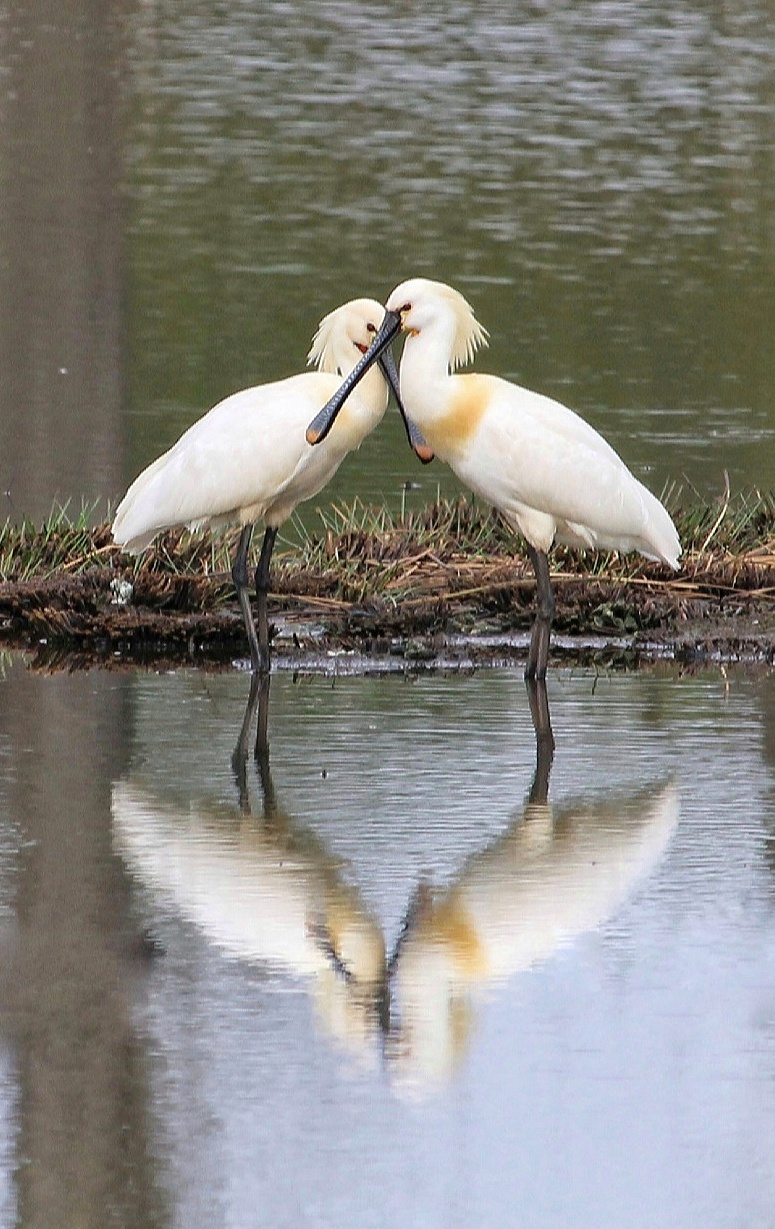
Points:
(248, 459)
(549, 473)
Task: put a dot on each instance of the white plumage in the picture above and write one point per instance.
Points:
(547, 470)
(550, 474)
(248, 458)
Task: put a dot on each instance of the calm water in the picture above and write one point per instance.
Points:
(194, 186)
(580, 1026)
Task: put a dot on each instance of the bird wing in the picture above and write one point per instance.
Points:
(240, 456)
(531, 453)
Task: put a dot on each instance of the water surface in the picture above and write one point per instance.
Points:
(580, 1024)
(196, 187)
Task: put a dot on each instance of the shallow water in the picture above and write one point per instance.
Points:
(577, 1024)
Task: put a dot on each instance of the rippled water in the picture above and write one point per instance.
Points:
(399, 975)
(597, 178)
(196, 187)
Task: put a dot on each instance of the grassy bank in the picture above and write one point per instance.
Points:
(367, 577)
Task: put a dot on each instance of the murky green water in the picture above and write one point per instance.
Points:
(383, 986)
(597, 180)
(186, 190)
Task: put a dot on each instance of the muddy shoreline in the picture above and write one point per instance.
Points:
(463, 617)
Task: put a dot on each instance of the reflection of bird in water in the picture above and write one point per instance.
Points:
(557, 873)
(265, 890)
(247, 459)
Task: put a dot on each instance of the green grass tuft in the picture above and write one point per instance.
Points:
(364, 550)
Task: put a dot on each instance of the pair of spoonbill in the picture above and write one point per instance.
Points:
(248, 459)
(551, 476)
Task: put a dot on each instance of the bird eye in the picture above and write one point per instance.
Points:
(406, 308)
(371, 328)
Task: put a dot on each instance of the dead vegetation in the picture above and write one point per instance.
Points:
(366, 579)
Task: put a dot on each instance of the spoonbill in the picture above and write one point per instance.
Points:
(549, 473)
(247, 459)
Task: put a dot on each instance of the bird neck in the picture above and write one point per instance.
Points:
(362, 410)
(372, 389)
(425, 378)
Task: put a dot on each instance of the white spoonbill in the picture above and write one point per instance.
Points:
(550, 474)
(248, 459)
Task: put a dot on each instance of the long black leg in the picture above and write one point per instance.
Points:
(239, 574)
(538, 654)
(262, 589)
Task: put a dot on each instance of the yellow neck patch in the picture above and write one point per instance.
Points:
(467, 405)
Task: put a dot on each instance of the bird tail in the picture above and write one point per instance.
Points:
(132, 528)
(661, 541)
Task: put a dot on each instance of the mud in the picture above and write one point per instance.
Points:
(457, 619)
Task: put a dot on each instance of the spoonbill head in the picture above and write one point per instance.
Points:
(248, 458)
(550, 474)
